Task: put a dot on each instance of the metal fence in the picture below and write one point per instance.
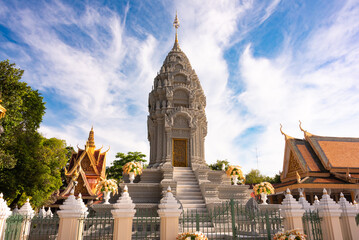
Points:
(231, 220)
(311, 225)
(146, 224)
(36, 228)
(97, 226)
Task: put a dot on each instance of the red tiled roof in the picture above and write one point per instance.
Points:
(308, 158)
(341, 154)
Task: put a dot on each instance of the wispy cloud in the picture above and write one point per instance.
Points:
(96, 67)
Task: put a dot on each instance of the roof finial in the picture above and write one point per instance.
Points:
(176, 25)
(91, 140)
(305, 132)
(285, 135)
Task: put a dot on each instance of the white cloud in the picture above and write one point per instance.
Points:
(319, 86)
(105, 76)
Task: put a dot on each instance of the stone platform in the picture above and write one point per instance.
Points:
(195, 189)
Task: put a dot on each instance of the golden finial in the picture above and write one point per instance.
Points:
(285, 135)
(298, 177)
(305, 132)
(176, 24)
(91, 140)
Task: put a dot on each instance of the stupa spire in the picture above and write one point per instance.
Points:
(176, 26)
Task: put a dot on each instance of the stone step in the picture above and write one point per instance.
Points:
(188, 190)
(189, 197)
(194, 205)
(191, 201)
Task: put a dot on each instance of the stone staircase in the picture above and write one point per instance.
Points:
(188, 191)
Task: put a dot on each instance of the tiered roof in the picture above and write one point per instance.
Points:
(86, 167)
(319, 161)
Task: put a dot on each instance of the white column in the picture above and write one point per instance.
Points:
(70, 217)
(169, 213)
(4, 214)
(330, 212)
(347, 219)
(292, 212)
(123, 213)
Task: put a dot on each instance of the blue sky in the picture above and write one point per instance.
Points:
(261, 63)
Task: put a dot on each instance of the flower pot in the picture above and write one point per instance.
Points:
(235, 179)
(131, 176)
(106, 197)
(264, 198)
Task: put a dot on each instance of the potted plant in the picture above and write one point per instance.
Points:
(289, 235)
(132, 169)
(235, 172)
(191, 236)
(107, 186)
(263, 189)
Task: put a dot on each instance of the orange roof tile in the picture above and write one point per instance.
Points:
(341, 154)
(308, 158)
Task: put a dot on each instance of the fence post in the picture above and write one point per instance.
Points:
(28, 213)
(292, 212)
(72, 210)
(347, 219)
(123, 213)
(4, 214)
(330, 211)
(169, 213)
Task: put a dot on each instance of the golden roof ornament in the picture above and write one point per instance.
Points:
(176, 25)
(306, 133)
(285, 135)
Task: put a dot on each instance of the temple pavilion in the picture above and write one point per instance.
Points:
(86, 167)
(318, 162)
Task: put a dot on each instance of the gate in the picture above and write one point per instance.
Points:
(97, 226)
(311, 225)
(231, 220)
(36, 228)
(146, 224)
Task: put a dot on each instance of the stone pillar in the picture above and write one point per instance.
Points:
(169, 213)
(28, 213)
(70, 217)
(292, 212)
(4, 214)
(123, 213)
(330, 212)
(347, 219)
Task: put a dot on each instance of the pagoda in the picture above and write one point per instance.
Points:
(177, 127)
(86, 168)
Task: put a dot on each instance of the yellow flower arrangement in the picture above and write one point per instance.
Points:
(290, 235)
(194, 236)
(263, 187)
(134, 167)
(107, 185)
(236, 171)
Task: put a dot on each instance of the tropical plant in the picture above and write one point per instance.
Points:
(116, 170)
(218, 165)
(134, 167)
(263, 187)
